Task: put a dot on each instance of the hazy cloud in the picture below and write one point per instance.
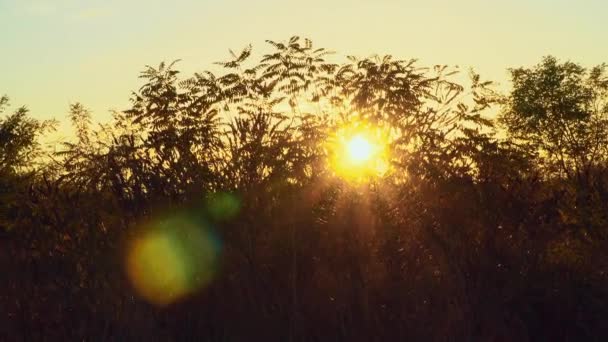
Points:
(69, 8)
(92, 13)
(38, 7)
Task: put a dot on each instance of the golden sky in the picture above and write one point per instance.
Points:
(55, 52)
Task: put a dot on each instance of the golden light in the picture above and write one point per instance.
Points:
(359, 149)
(171, 259)
(358, 152)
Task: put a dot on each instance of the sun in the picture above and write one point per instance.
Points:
(359, 149)
(358, 152)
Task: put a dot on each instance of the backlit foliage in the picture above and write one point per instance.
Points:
(295, 195)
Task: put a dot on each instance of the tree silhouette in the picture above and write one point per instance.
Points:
(216, 194)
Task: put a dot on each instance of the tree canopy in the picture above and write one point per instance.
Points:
(210, 208)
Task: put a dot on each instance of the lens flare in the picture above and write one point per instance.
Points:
(172, 259)
(358, 152)
(223, 206)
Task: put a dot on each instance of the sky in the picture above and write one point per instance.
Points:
(56, 52)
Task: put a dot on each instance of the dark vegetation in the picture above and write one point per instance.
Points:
(491, 224)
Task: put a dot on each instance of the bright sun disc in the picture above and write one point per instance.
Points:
(359, 149)
(358, 152)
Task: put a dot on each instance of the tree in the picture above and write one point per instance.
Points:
(561, 109)
(20, 152)
(468, 235)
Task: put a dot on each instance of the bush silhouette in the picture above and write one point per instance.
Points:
(483, 227)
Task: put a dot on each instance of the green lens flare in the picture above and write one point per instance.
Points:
(172, 259)
(223, 206)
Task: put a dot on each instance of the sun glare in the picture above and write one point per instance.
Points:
(359, 149)
(358, 152)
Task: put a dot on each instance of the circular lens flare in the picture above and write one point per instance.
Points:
(171, 259)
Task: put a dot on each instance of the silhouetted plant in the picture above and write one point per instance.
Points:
(476, 230)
